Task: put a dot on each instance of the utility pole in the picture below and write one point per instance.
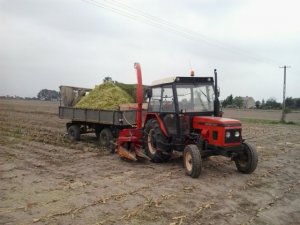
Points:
(284, 88)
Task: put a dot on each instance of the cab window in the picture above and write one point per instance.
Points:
(167, 99)
(154, 104)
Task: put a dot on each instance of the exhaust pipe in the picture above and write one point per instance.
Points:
(216, 102)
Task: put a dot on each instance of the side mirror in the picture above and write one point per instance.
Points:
(149, 92)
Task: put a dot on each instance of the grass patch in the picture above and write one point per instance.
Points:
(291, 123)
(264, 121)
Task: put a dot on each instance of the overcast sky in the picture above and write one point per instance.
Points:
(47, 43)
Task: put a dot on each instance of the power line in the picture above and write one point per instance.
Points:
(198, 35)
(140, 16)
(128, 15)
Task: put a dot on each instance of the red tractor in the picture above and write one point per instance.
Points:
(183, 115)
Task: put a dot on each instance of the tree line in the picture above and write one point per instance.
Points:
(271, 103)
(48, 95)
(229, 101)
(44, 94)
(292, 103)
(232, 102)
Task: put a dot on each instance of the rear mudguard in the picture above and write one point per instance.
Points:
(160, 122)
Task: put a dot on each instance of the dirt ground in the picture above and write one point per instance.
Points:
(46, 179)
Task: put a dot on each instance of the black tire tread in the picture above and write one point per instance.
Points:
(158, 157)
(196, 161)
(252, 162)
(108, 133)
(74, 132)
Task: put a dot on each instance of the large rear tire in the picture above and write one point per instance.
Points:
(152, 136)
(192, 161)
(74, 132)
(246, 162)
(105, 137)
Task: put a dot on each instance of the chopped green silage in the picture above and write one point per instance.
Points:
(106, 96)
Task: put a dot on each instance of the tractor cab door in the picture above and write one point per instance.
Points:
(162, 103)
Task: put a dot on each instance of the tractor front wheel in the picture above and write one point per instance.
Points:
(153, 137)
(192, 161)
(246, 162)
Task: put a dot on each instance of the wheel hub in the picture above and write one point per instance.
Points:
(188, 161)
(151, 142)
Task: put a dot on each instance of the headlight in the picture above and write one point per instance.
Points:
(227, 134)
(237, 133)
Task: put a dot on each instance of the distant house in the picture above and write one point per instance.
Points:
(248, 102)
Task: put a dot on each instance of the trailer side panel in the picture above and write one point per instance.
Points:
(120, 118)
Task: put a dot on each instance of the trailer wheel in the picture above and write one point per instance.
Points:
(105, 137)
(74, 132)
(246, 162)
(97, 132)
(153, 135)
(192, 161)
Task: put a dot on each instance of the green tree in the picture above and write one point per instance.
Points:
(238, 101)
(289, 102)
(297, 103)
(292, 103)
(228, 101)
(48, 95)
(271, 103)
(257, 104)
(107, 79)
(263, 103)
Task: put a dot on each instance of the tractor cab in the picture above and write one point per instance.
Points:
(192, 95)
(177, 101)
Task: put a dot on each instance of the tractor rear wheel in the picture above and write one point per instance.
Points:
(74, 132)
(153, 135)
(246, 162)
(192, 161)
(105, 137)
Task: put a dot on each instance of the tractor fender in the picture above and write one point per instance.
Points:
(160, 122)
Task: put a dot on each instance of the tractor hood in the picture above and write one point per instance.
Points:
(215, 121)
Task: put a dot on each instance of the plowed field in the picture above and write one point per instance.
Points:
(46, 179)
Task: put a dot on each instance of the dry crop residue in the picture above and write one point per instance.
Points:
(45, 179)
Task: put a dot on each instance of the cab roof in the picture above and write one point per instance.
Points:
(169, 80)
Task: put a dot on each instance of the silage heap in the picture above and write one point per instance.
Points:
(106, 96)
